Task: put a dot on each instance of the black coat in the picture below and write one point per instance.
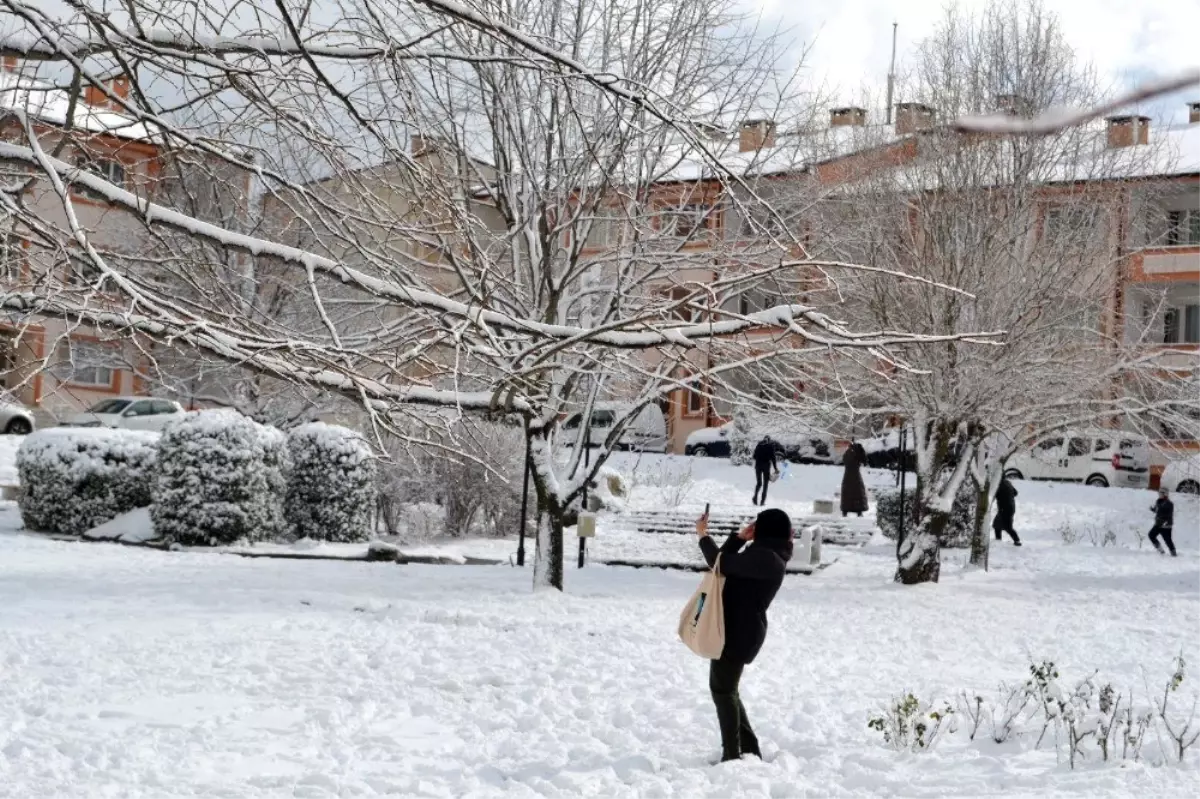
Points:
(752, 578)
(764, 456)
(1006, 498)
(1164, 514)
(854, 492)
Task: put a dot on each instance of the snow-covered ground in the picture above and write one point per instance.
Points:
(139, 673)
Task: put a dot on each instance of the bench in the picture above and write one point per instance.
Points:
(728, 521)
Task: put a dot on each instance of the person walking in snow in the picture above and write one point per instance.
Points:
(1006, 509)
(752, 577)
(764, 462)
(1164, 522)
(854, 491)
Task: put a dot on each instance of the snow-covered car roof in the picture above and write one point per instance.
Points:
(707, 434)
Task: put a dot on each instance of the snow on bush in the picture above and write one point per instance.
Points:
(213, 485)
(331, 491)
(277, 461)
(962, 515)
(74, 479)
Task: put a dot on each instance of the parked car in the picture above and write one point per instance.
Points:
(128, 413)
(883, 451)
(717, 442)
(1098, 458)
(647, 432)
(709, 442)
(16, 419)
(1183, 475)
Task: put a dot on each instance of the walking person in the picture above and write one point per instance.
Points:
(1164, 522)
(854, 491)
(764, 462)
(752, 578)
(1006, 510)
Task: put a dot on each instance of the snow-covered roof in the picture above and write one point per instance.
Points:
(49, 104)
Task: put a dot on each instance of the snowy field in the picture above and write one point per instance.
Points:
(127, 672)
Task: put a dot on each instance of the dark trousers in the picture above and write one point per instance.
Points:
(736, 735)
(762, 479)
(1165, 533)
(1003, 523)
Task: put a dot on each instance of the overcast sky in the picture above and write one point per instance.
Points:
(1128, 40)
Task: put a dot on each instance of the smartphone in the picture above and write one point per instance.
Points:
(706, 510)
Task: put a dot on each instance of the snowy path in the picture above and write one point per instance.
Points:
(137, 673)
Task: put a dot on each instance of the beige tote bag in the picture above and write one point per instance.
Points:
(702, 623)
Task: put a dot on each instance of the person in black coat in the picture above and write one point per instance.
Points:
(1164, 522)
(764, 462)
(1006, 509)
(752, 578)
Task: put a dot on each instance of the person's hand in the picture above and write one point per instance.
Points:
(747, 533)
(702, 526)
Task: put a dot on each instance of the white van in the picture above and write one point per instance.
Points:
(647, 432)
(1100, 458)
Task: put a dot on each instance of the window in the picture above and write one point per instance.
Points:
(92, 364)
(107, 168)
(1050, 446)
(1074, 222)
(143, 408)
(694, 399)
(1183, 228)
(1077, 447)
(109, 406)
(1102, 445)
(686, 221)
(684, 311)
(163, 407)
(606, 228)
(1181, 325)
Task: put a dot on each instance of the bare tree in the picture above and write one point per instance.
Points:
(509, 208)
(1033, 228)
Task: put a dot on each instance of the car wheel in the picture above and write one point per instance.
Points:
(1098, 481)
(1013, 474)
(700, 451)
(1188, 487)
(19, 427)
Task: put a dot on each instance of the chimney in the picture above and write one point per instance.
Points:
(423, 145)
(848, 117)
(116, 84)
(913, 117)
(755, 135)
(1012, 104)
(1193, 113)
(10, 63)
(1126, 131)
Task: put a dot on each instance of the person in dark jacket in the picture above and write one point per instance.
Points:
(752, 577)
(764, 463)
(1006, 510)
(854, 491)
(1164, 522)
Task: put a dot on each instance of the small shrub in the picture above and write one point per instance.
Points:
(909, 724)
(1068, 534)
(331, 490)
(77, 478)
(212, 484)
(958, 531)
(673, 480)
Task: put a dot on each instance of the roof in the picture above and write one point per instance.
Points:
(49, 104)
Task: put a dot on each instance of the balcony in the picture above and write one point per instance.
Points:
(1170, 262)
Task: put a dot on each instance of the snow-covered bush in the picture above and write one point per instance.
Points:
(212, 486)
(962, 515)
(277, 463)
(74, 479)
(331, 490)
(910, 724)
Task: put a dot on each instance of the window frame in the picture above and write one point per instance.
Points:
(74, 348)
(103, 166)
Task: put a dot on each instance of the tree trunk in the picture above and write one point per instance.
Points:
(920, 554)
(979, 536)
(548, 558)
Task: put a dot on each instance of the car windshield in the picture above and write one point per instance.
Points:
(109, 406)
